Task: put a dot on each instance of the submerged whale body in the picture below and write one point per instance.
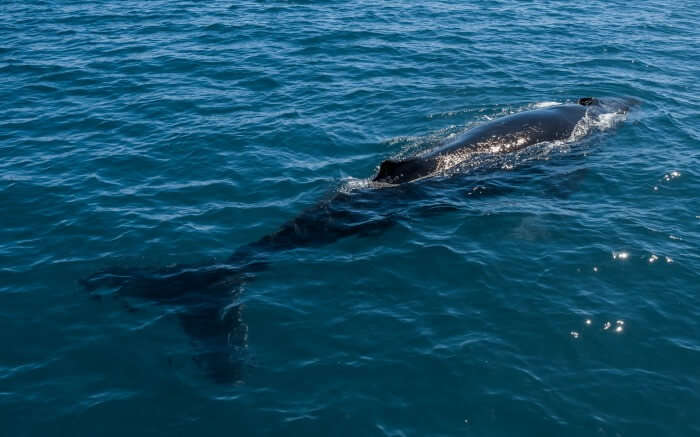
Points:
(203, 296)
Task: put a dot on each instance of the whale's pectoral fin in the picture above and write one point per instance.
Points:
(205, 299)
(219, 337)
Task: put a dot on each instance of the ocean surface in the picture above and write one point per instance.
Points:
(146, 134)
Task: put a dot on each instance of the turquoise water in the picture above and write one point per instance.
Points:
(151, 133)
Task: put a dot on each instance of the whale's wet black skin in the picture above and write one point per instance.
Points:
(204, 296)
(504, 135)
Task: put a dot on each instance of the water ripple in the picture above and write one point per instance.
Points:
(158, 133)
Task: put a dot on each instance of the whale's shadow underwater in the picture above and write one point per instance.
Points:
(204, 296)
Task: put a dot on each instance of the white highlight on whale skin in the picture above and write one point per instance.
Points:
(546, 104)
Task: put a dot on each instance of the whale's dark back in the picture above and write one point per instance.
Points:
(503, 135)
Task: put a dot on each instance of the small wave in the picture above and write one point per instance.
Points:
(610, 120)
(351, 184)
(601, 122)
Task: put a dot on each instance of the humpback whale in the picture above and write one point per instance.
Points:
(203, 296)
(503, 135)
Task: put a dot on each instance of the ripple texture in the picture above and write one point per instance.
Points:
(154, 133)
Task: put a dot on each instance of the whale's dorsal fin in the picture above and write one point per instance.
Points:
(397, 172)
(387, 169)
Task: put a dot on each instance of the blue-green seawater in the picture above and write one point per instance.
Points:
(149, 133)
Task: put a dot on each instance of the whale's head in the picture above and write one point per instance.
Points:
(397, 172)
